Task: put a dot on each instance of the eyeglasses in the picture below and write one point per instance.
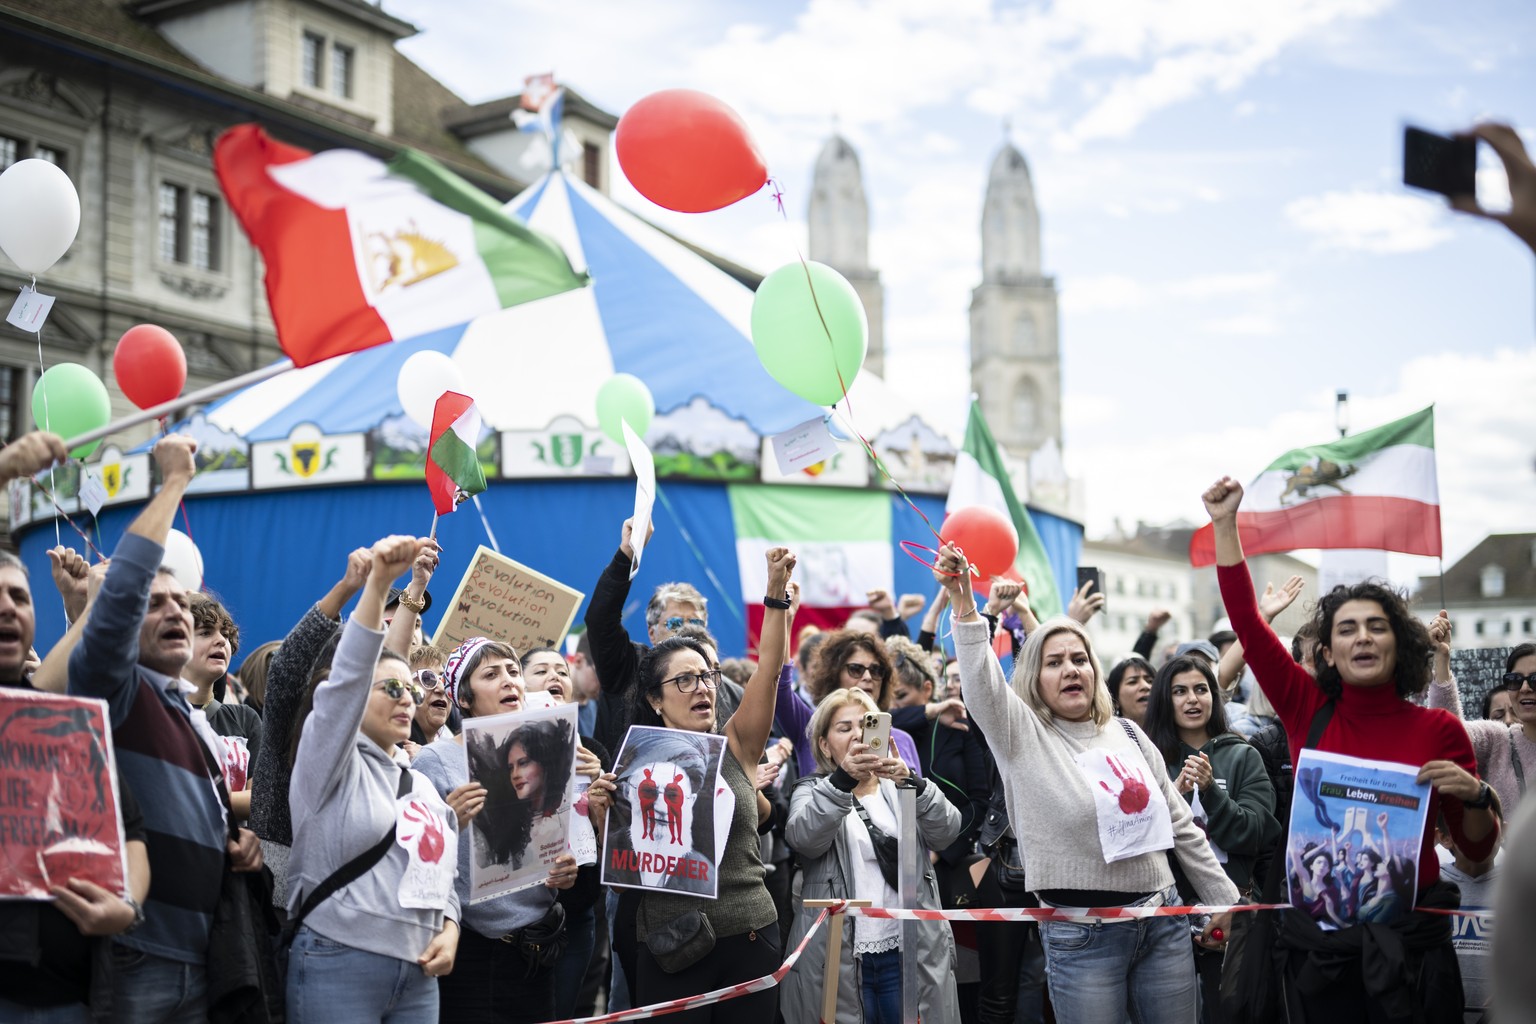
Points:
(394, 689)
(677, 622)
(428, 679)
(690, 681)
(859, 671)
(1513, 680)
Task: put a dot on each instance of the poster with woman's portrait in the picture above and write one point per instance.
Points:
(1356, 829)
(661, 829)
(525, 760)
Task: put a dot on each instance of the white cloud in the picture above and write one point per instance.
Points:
(1118, 291)
(1485, 434)
(1377, 222)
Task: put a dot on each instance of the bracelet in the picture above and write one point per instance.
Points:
(413, 604)
(973, 611)
(782, 603)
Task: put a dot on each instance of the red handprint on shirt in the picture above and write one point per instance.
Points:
(1134, 795)
(430, 846)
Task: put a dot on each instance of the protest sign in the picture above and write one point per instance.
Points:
(661, 831)
(507, 601)
(1477, 670)
(525, 760)
(59, 815)
(1356, 830)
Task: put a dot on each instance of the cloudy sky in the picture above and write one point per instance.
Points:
(1219, 191)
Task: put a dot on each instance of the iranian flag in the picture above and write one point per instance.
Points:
(1376, 489)
(842, 539)
(360, 252)
(452, 465)
(982, 479)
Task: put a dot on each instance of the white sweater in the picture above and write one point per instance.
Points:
(1050, 806)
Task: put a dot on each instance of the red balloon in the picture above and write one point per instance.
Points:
(687, 151)
(149, 365)
(985, 535)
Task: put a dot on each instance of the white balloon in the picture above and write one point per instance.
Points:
(39, 214)
(184, 560)
(423, 379)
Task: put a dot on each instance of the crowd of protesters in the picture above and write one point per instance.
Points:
(258, 886)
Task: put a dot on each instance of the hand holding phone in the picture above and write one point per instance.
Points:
(877, 733)
(1438, 163)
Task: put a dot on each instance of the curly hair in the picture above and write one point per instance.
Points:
(1411, 669)
(1161, 726)
(653, 672)
(837, 650)
(509, 824)
(208, 613)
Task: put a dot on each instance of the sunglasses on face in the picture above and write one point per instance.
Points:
(428, 679)
(690, 681)
(394, 689)
(1514, 680)
(677, 622)
(859, 671)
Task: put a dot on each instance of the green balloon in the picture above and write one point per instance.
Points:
(624, 397)
(70, 400)
(810, 330)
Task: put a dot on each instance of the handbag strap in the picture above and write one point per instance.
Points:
(352, 869)
(1269, 892)
(1320, 722)
(1514, 758)
(878, 837)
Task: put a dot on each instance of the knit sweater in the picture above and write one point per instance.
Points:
(1049, 803)
(1371, 722)
(1496, 746)
(161, 758)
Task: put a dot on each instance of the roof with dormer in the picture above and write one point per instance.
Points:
(1513, 553)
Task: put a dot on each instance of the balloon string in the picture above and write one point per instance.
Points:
(92, 548)
(42, 370)
(847, 420)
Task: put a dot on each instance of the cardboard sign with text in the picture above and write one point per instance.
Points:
(507, 601)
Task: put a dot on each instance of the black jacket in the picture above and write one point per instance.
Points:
(958, 763)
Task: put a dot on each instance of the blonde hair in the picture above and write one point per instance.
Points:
(426, 656)
(1026, 675)
(821, 720)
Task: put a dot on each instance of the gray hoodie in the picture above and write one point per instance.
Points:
(343, 799)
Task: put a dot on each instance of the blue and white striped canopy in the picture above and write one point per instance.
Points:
(655, 309)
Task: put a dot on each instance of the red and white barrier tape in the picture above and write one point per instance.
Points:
(1080, 914)
(719, 995)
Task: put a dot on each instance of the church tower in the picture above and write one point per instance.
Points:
(839, 235)
(1015, 355)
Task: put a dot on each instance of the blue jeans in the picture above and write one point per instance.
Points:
(69, 1013)
(329, 983)
(150, 989)
(880, 980)
(1099, 972)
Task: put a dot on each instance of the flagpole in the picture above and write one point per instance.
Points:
(177, 404)
(433, 534)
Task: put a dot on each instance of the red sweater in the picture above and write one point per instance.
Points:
(1370, 722)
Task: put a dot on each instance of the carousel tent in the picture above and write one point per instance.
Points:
(301, 469)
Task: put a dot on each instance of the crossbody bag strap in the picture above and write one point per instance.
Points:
(1320, 722)
(877, 837)
(353, 869)
(1270, 891)
(1514, 757)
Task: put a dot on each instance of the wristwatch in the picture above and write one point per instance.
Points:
(776, 602)
(138, 913)
(1484, 798)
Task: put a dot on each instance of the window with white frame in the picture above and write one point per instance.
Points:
(343, 63)
(14, 149)
(188, 226)
(313, 58)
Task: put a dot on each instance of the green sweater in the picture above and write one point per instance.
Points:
(1239, 804)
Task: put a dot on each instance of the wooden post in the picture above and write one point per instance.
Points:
(834, 954)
